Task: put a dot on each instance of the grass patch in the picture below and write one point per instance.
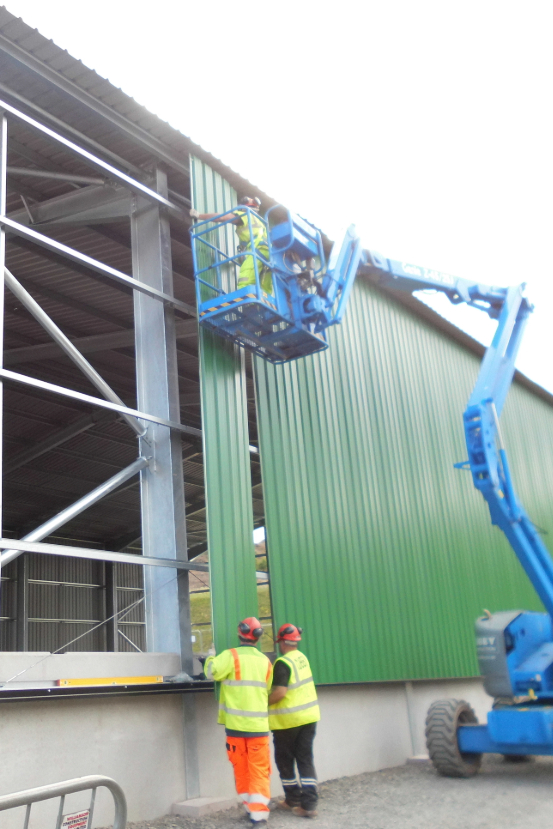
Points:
(200, 614)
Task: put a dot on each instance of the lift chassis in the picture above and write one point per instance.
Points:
(515, 648)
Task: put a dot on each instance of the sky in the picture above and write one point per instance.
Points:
(428, 124)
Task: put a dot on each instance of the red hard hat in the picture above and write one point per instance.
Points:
(289, 633)
(251, 201)
(250, 629)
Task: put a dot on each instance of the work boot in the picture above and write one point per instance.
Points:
(282, 804)
(300, 812)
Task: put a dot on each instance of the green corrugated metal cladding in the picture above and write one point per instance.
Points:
(226, 448)
(379, 548)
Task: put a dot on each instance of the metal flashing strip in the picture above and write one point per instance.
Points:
(71, 253)
(6, 374)
(99, 555)
(34, 694)
(92, 159)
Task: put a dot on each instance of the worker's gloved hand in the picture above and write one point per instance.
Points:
(211, 651)
(194, 214)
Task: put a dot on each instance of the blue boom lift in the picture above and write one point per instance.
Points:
(515, 648)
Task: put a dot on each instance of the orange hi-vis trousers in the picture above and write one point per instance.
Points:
(251, 762)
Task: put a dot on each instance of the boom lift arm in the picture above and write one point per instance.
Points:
(515, 648)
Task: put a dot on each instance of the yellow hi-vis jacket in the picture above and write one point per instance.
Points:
(243, 231)
(300, 705)
(245, 675)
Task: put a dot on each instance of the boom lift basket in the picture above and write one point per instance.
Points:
(262, 322)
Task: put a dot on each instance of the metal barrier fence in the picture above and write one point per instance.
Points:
(83, 818)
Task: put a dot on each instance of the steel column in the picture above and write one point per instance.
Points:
(162, 485)
(3, 175)
(110, 586)
(168, 625)
(22, 611)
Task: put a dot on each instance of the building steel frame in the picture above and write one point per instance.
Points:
(155, 423)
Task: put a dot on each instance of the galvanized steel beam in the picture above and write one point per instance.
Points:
(67, 346)
(94, 264)
(57, 521)
(3, 180)
(22, 604)
(168, 625)
(162, 485)
(96, 203)
(184, 329)
(70, 177)
(113, 172)
(110, 588)
(68, 129)
(96, 401)
(99, 555)
(140, 136)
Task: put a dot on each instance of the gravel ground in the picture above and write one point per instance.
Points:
(503, 796)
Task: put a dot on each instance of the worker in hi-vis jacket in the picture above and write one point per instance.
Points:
(293, 715)
(245, 675)
(259, 242)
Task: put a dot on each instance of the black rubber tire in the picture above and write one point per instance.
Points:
(442, 721)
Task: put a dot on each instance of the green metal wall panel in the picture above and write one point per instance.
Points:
(379, 548)
(226, 449)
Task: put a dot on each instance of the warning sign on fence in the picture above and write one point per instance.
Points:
(77, 820)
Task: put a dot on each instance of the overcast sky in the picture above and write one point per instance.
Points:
(426, 123)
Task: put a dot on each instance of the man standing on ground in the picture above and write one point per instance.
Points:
(293, 714)
(245, 675)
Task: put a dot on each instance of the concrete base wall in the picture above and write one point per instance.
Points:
(139, 742)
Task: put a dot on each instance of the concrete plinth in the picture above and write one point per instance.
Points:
(199, 806)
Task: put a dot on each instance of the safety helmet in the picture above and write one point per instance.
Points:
(250, 629)
(251, 202)
(289, 633)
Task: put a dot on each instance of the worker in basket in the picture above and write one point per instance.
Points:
(259, 242)
(245, 675)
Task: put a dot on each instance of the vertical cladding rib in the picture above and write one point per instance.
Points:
(226, 453)
(379, 548)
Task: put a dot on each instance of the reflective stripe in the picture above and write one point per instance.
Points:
(296, 708)
(289, 782)
(301, 682)
(255, 816)
(259, 798)
(296, 672)
(237, 672)
(238, 713)
(251, 683)
(308, 781)
(245, 797)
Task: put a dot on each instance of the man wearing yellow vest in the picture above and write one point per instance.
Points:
(258, 242)
(245, 675)
(293, 715)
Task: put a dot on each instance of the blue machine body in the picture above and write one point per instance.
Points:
(515, 649)
(308, 293)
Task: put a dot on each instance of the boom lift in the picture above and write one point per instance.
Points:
(515, 648)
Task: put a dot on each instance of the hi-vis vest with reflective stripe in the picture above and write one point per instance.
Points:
(243, 230)
(300, 705)
(245, 675)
